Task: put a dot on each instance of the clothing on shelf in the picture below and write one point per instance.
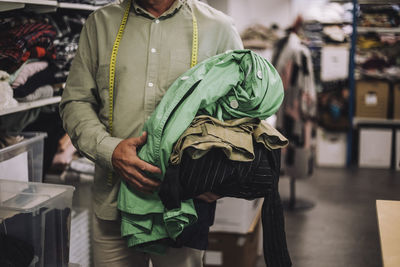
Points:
(379, 16)
(29, 40)
(9, 140)
(378, 56)
(39, 79)
(259, 37)
(45, 91)
(6, 93)
(28, 70)
(38, 51)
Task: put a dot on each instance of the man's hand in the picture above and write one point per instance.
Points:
(127, 164)
(208, 197)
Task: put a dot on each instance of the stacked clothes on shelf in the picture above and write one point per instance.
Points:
(379, 16)
(378, 50)
(89, 2)
(329, 25)
(36, 51)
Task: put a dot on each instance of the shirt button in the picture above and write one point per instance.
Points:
(150, 84)
(157, 21)
(153, 50)
(259, 74)
(234, 104)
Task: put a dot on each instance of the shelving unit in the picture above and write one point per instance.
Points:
(378, 29)
(358, 122)
(42, 5)
(29, 105)
(77, 6)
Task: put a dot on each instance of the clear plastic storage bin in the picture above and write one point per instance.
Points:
(32, 145)
(38, 216)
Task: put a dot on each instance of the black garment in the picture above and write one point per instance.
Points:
(215, 173)
(14, 252)
(276, 253)
(44, 77)
(47, 231)
(196, 235)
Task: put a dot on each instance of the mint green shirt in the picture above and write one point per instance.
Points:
(231, 85)
(152, 54)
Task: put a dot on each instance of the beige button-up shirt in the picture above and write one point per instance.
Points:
(152, 54)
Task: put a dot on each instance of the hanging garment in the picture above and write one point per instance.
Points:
(231, 85)
(293, 61)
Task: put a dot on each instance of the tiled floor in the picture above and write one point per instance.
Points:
(341, 230)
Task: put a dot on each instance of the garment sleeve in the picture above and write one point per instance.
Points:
(229, 37)
(80, 102)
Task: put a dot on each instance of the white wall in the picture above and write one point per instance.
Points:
(266, 12)
(248, 12)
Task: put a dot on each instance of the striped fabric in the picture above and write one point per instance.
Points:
(215, 173)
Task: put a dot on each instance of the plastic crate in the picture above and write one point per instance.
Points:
(39, 216)
(32, 145)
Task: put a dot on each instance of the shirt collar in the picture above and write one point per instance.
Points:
(168, 13)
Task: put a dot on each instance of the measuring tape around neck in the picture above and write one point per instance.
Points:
(113, 61)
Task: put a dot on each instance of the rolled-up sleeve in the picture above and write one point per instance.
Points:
(80, 103)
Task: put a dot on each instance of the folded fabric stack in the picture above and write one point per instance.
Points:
(37, 51)
(378, 53)
(379, 16)
(259, 37)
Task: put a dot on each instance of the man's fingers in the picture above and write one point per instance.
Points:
(139, 141)
(145, 166)
(208, 197)
(212, 196)
(144, 180)
(203, 197)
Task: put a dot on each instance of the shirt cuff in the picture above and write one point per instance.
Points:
(105, 150)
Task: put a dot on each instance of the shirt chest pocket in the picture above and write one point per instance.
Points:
(179, 62)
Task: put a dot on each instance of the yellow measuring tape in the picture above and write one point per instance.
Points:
(113, 61)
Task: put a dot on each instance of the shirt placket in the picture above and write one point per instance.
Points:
(152, 67)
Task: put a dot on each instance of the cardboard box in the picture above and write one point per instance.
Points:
(233, 250)
(331, 148)
(334, 63)
(372, 99)
(234, 215)
(375, 147)
(396, 102)
(397, 159)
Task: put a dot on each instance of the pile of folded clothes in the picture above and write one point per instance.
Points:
(36, 51)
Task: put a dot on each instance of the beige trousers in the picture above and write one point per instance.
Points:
(110, 250)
